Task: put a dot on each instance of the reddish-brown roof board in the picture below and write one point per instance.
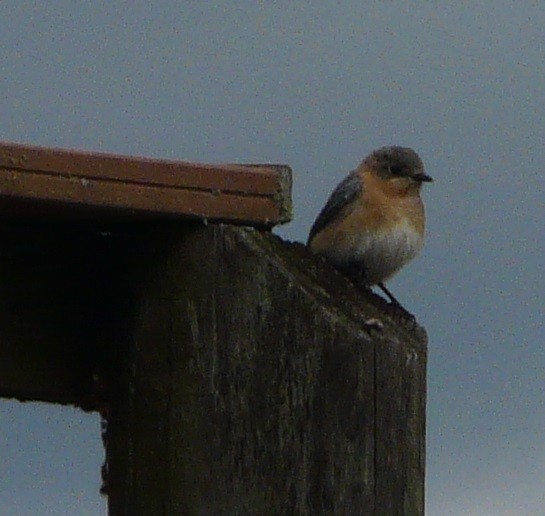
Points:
(40, 179)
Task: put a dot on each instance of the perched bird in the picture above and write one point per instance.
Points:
(373, 222)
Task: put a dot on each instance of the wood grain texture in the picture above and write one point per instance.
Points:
(251, 194)
(234, 371)
(250, 389)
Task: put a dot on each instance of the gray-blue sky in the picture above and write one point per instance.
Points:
(317, 86)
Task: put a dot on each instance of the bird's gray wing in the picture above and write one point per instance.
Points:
(347, 191)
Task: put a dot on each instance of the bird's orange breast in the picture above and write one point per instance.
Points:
(383, 228)
(380, 207)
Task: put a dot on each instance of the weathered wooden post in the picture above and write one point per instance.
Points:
(235, 373)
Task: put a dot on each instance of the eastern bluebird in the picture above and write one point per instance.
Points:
(373, 222)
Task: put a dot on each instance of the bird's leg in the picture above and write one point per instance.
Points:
(356, 274)
(395, 303)
(390, 296)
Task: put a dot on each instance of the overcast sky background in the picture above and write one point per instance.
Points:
(317, 85)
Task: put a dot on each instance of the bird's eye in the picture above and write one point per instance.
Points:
(396, 170)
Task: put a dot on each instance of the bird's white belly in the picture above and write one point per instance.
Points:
(382, 253)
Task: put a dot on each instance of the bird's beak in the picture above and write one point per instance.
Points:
(424, 178)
